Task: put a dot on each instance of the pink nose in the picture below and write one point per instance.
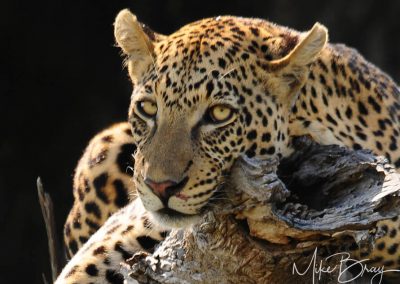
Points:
(160, 188)
(164, 190)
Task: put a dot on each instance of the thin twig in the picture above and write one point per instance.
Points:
(44, 279)
(48, 215)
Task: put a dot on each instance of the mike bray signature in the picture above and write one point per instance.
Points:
(345, 263)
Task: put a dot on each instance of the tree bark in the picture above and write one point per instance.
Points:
(315, 203)
(46, 204)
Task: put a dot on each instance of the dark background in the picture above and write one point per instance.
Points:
(62, 81)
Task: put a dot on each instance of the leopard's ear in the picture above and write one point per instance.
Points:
(305, 52)
(135, 43)
(292, 70)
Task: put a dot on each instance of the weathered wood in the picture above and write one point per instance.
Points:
(274, 215)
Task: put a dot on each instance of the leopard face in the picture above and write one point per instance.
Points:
(204, 95)
(189, 138)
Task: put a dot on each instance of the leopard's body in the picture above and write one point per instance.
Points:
(210, 92)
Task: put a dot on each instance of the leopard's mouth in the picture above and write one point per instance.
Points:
(173, 218)
(172, 213)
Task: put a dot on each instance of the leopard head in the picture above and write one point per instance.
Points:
(204, 95)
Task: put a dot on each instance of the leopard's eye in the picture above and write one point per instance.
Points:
(221, 114)
(146, 109)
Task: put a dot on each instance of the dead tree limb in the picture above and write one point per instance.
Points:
(46, 205)
(323, 197)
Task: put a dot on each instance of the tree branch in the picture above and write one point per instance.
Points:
(46, 205)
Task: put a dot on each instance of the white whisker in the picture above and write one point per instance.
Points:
(226, 73)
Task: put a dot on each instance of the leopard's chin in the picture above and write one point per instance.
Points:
(174, 219)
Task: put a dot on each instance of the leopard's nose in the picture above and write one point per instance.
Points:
(164, 190)
(160, 188)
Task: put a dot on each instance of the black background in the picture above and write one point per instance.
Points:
(61, 81)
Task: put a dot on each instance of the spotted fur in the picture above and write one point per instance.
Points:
(278, 83)
(102, 184)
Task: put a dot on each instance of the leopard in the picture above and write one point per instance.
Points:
(211, 92)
